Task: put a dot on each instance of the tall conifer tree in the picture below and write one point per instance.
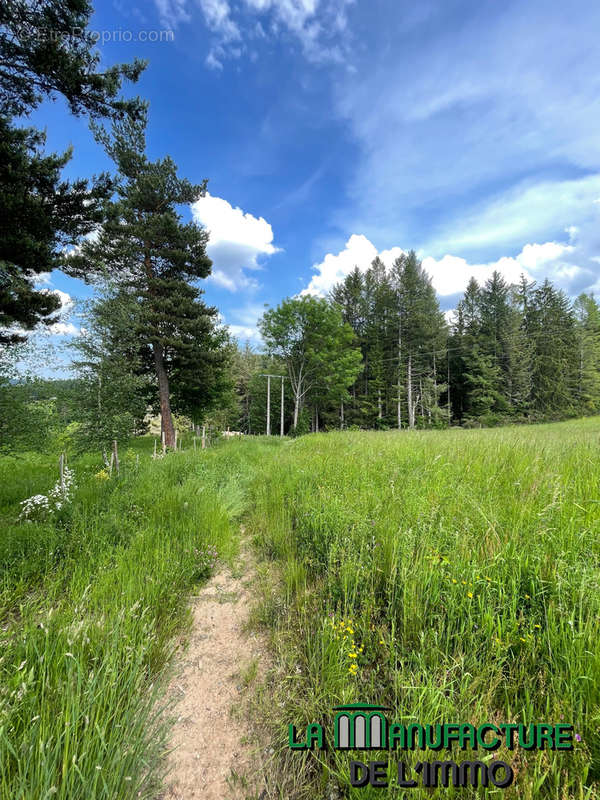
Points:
(145, 248)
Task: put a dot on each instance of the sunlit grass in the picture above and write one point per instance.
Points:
(452, 576)
(91, 602)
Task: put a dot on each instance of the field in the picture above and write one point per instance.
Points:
(449, 575)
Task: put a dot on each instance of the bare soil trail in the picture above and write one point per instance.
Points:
(214, 755)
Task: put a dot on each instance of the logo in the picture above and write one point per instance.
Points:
(362, 726)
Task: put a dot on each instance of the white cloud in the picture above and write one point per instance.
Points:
(244, 327)
(212, 62)
(525, 212)
(63, 329)
(319, 25)
(451, 274)
(358, 252)
(217, 14)
(66, 300)
(172, 12)
(245, 333)
(237, 241)
(535, 256)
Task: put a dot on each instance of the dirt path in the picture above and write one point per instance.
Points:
(213, 758)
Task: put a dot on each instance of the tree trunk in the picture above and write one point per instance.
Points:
(411, 408)
(316, 420)
(342, 415)
(399, 402)
(449, 398)
(379, 407)
(435, 391)
(296, 410)
(163, 393)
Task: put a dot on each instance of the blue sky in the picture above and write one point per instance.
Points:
(333, 130)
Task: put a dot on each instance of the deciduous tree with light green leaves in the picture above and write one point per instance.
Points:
(317, 347)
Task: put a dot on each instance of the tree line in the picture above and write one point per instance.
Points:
(379, 353)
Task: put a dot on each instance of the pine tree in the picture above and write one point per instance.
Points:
(587, 315)
(46, 50)
(421, 336)
(146, 249)
(351, 298)
(479, 373)
(551, 327)
(39, 216)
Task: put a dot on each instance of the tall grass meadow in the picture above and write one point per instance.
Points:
(451, 576)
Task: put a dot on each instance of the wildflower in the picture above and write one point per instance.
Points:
(537, 626)
(351, 655)
(381, 641)
(489, 580)
(454, 580)
(527, 597)
(470, 595)
(522, 639)
(577, 737)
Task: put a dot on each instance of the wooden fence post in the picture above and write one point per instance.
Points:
(61, 469)
(116, 455)
(203, 436)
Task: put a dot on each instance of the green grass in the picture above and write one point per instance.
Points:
(90, 603)
(465, 564)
